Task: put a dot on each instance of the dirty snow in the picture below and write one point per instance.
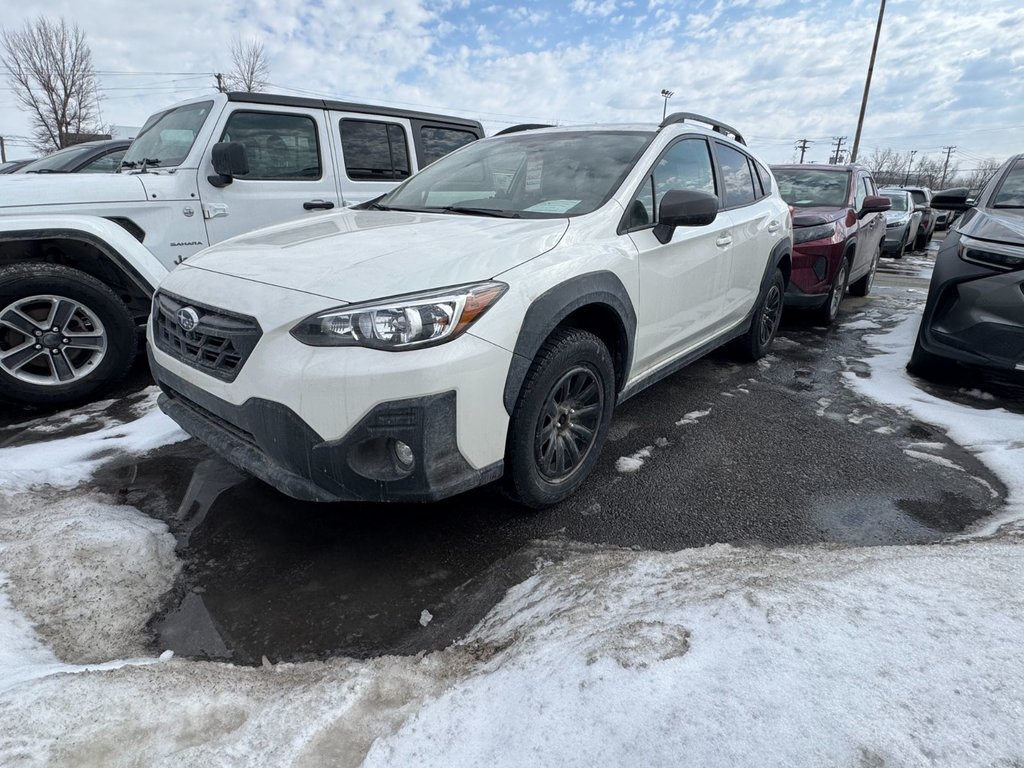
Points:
(692, 417)
(719, 656)
(634, 461)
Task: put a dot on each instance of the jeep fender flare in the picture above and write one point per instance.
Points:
(123, 251)
(551, 308)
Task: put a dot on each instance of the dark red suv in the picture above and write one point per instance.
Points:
(838, 232)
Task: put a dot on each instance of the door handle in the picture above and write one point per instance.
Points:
(318, 205)
(723, 241)
(773, 227)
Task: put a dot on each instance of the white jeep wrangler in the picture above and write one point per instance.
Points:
(80, 255)
(482, 319)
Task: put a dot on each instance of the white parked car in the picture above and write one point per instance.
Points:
(481, 320)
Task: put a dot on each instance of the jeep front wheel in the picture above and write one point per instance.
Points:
(560, 420)
(64, 335)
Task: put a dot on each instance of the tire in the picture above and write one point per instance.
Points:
(826, 314)
(94, 345)
(902, 250)
(764, 325)
(862, 287)
(921, 241)
(547, 459)
(925, 364)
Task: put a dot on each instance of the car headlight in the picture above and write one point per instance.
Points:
(992, 255)
(817, 232)
(404, 322)
(893, 223)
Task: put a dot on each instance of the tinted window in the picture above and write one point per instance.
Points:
(810, 187)
(736, 178)
(278, 146)
(108, 163)
(919, 198)
(438, 142)
(766, 177)
(374, 151)
(57, 160)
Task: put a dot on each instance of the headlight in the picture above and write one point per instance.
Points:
(818, 232)
(404, 322)
(893, 223)
(993, 255)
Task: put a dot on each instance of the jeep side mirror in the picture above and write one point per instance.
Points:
(952, 200)
(684, 208)
(229, 160)
(874, 204)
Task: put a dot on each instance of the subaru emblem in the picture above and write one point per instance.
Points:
(188, 318)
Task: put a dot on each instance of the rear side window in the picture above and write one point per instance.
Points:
(438, 142)
(374, 151)
(765, 176)
(736, 177)
(279, 147)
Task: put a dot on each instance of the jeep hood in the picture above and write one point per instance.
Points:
(27, 190)
(355, 256)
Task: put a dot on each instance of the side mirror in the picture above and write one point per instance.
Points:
(921, 207)
(874, 204)
(229, 160)
(952, 200)
(684, 208)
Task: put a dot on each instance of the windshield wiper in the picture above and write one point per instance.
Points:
(496, 212)
(43, 170)
(143, 163)
(1004, 206)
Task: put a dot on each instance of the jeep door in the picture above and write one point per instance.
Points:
(291, 169)
(757, 218)
(682, 282)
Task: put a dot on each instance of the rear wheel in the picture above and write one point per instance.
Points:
(826, 314)
(560, 420)
(64, 335)
(862, 287)
(764, 325)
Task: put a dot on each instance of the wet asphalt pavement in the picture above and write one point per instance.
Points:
(786, 454)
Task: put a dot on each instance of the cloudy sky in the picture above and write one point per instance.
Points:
(778, 70)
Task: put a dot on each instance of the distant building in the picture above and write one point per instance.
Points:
(124, 131)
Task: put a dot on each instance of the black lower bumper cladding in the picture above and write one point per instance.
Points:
(273, 443)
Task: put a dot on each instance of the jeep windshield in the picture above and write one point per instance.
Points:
(527, 175)
(167, 137)
(811, 188)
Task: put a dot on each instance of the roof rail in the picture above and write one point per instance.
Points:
(522, 127)
(716, 125)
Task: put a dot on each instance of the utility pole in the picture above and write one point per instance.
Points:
(836, 150)
(910, 164)
(3, 151)
(945, 166)
(666, 95)
(867, 84)
(802, 145)
(220, 82)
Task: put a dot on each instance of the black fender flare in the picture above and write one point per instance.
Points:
(780, 251)
(547, 312)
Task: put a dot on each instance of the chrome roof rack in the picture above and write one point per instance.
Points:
(715, 125)
(522, 127)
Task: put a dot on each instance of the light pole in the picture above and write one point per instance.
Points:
(666, 95)
(909, 164)
(867, 84)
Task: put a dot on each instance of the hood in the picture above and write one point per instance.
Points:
(892, 215)
(31, 189)
(355, 256)
(810, 217)
(994, 224)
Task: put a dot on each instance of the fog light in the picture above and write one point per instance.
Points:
(403, 453)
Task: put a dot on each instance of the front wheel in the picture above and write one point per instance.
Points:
(862, 287)
(827, 312)
(560, 420)
(764, 325)
(64, 335)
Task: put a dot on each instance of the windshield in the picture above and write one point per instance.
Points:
(527, 175)
(167, 137)
(898, 198)
(812, 188)
(1011, 193)
(55, 162)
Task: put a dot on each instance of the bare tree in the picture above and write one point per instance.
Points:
(51, 73)
(978, 177)
(250, 68)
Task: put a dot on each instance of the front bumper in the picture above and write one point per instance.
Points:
(814, 268)
(974, 315)
(895, 237)
(271, 442)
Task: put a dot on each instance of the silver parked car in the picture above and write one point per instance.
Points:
(902, 222)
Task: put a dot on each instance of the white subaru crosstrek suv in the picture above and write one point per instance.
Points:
(481, 320)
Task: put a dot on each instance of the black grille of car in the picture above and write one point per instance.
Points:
(219, 343)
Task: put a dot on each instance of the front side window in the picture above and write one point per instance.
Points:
(374, 151)
(438, 142)
(685, 165)
(525, 175)
(279, 147)
(862, 192)
(1011, 193)
(167, 137)
(813, 188)
(736, 177)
